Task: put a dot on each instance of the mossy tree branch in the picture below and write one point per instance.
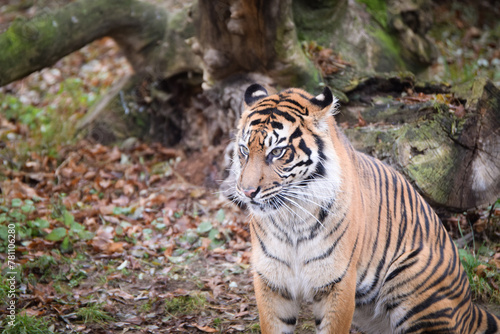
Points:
(28, 46)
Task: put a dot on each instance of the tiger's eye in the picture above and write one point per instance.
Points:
(244, 150)
(277, 151)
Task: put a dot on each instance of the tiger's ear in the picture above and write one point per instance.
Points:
(254, 93)
(326, 102)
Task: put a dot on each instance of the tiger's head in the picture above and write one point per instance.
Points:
(284, 157)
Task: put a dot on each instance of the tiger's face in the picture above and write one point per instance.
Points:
(283, 142)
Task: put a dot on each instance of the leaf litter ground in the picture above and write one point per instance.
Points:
(124, 230)
(114, 239)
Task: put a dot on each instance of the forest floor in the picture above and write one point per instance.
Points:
(135, 237)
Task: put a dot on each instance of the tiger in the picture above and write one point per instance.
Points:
(340, 230)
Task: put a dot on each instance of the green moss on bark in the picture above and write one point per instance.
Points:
(428, 156)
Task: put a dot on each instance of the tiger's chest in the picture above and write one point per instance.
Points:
(296, 268)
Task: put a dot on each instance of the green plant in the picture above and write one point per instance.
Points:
(147, 306)
(71, 231)
(93, 313)
(40, 267)
(15, 217)
(479, 273)
(254, 328)
(185, 304)
(77, 277)
(24, 324)
(378, 9)
(217, 322)
(4, 291)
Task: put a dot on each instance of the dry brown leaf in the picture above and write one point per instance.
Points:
(104, 183)
(168, 250)
(120, 293)
(480, 225)
(134, 320)
(128, 189)
(17, 189)
(495, 261)
(205, 243)
(114, 155)
(205, 329)
(480, 270)
(106, 209)
(114, 247)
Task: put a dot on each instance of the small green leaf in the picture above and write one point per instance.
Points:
(68, 218)
(214, 234)
(85, 235)
(220, 215)
(4, 233)
(216, 243)
(77, 227)
(66, 246)
(119, 230)
(17, 216)
(56, 234)
(27, 208)
(41, 223)
(204, 227)
(16, 202)
(122, 211)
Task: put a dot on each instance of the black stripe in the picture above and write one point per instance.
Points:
(286, 237)
(329, 251)
(296, 134)
(364, 292)
(337, 225)
(262, 112)
(298, 164)
(398, 270)
(277, 125)
(304, 148)
(285, 115)
(289, 321)
(282, 291)
(269, 255)
(299, 109)
(255, 122)
(324, 290)
(375, 175)
(320, 168)
(492, 324)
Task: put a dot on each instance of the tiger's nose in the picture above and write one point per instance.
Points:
(251, 192)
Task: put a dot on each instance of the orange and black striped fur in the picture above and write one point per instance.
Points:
(341, 230)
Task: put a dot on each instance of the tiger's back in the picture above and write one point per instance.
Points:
(414, 274)
(341, 230)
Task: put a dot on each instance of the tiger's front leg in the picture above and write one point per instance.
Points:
(333, 307)
(278, 312)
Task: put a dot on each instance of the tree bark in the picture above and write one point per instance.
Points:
(451, 155)
(28, 46)
(244, 36)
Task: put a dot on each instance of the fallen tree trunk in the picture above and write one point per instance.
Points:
(447, 145)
